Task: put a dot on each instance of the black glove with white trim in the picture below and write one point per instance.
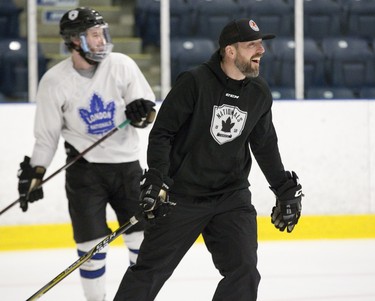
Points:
(29, 179)
(287, 211)
(154, 198)
(140, 112)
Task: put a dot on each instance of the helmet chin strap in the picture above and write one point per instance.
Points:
(83, 55)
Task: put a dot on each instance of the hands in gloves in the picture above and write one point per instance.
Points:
(287, 211)
(29, 180)
(154, 198)
(140, 112)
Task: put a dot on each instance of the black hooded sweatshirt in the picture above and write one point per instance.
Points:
(204, 128)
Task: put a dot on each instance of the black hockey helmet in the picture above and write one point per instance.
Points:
(78, 20)
(74, 24)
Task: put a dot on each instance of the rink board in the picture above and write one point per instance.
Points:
(309, 228)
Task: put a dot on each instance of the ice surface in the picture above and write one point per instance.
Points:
(328, 270)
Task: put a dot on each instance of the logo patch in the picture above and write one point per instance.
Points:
(298, 193)
(232, 95)
(227, 123)
(73, 14)
(253, 25)
(99, 118)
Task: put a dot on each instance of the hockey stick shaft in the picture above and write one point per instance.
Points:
(71, 162)
(106, 241)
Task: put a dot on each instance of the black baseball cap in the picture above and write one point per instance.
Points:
(241, 30)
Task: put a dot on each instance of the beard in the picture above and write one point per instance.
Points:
(246, 68)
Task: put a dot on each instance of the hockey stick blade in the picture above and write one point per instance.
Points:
(106, 241)
(71, 162)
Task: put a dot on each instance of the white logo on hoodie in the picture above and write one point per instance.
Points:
(227, 123)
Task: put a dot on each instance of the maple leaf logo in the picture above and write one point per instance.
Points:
(99, 118)
(226, 126)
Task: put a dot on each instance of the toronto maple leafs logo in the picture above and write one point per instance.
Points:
(227, 123)
(99, 118)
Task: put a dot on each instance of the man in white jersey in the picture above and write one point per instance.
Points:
(81, 99)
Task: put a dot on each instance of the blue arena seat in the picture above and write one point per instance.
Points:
(367, 92)
(141, 17)
(181, 18)
(350, 62)
(268, 65)
(9, 19)
(330, 93)
(14, 67)
(272, 16)
(342, 2)
(212, 15)
(361, 18)
(187, 53)
(147, 20)
(284, 50)
(290, 2)
(2, 98)
(322, 18)
(283, 93)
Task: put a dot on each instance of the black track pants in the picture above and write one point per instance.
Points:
(228, 225)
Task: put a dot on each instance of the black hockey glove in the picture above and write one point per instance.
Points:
(154, 199)
(29, 178)
(287, 211)
(140, 112)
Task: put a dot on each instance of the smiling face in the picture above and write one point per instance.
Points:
(95, 43)
(247, 57)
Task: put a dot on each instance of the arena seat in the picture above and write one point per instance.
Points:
(147, 20)
(283, 93)
(268, 66)
(367, 92)
(322, 18)
(329, 93)
(9, 19)
(272, 16)
(350, 62)
(361, 18)
(188, 53)
(14, 67)
(284, 50)
(212, 15)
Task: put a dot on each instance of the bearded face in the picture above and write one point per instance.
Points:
(249, 67)
(248, 57)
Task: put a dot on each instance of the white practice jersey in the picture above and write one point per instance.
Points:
(82, 110)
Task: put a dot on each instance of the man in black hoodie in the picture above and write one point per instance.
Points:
(199, 158)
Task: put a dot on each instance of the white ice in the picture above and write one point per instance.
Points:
(327, 270)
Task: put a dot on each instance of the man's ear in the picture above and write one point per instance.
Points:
(230, 51)
(76, 41)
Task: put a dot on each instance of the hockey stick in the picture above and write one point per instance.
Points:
(107, 240)
(75, 159)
